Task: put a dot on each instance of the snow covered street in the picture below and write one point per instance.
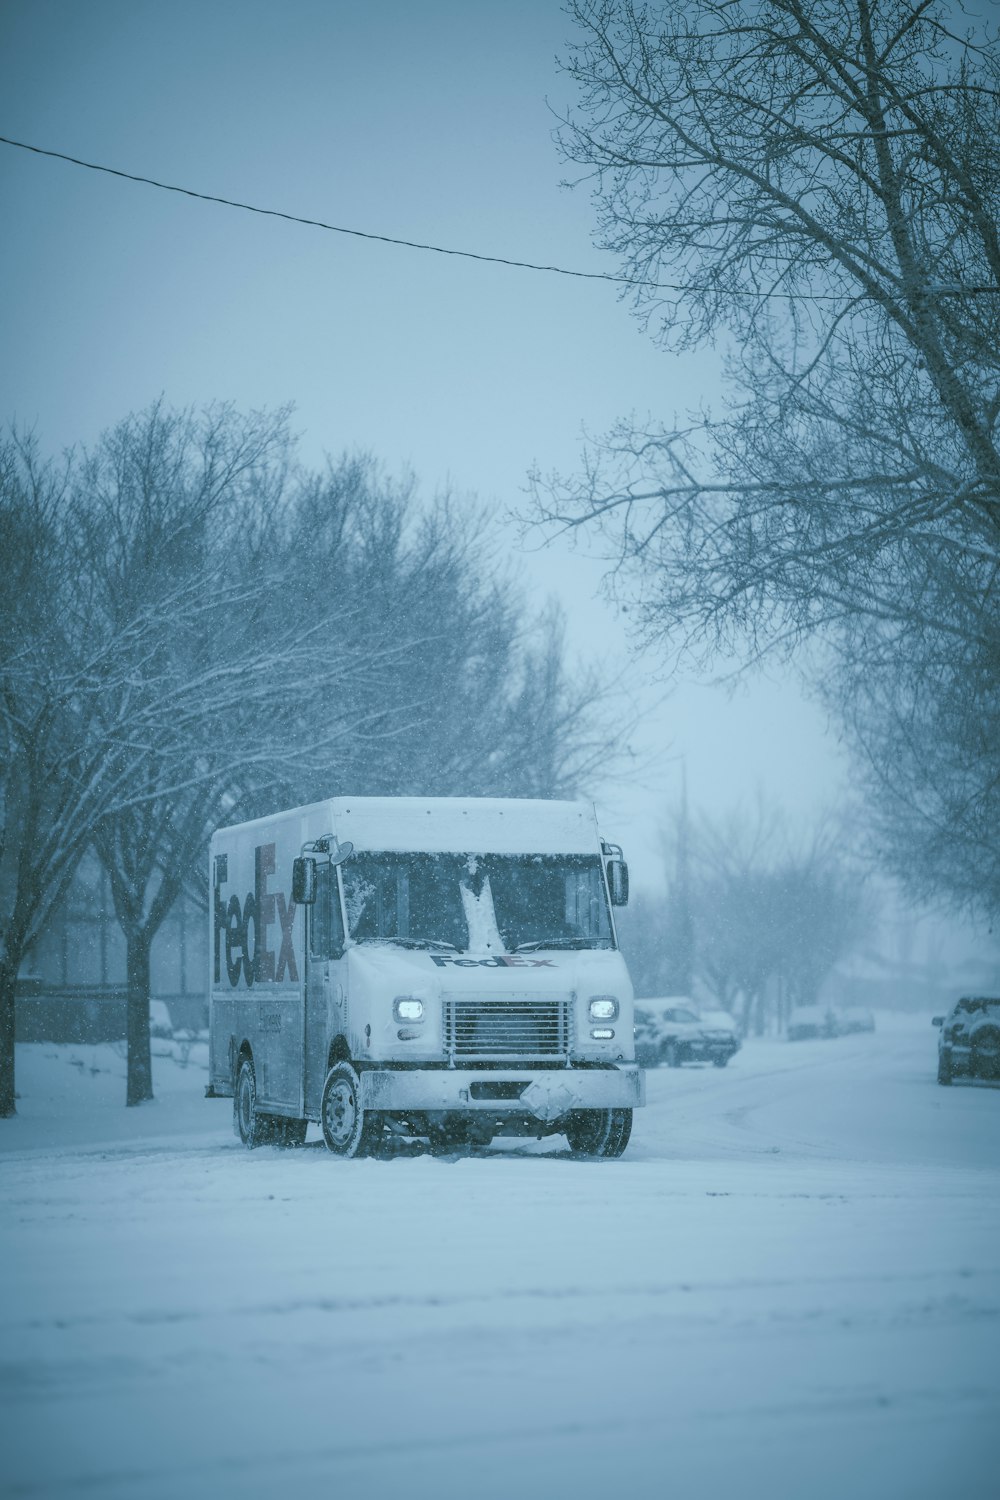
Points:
(789, 1286)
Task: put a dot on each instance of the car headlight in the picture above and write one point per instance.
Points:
(603, 1008)
(406, 1008)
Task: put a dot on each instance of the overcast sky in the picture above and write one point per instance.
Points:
(431, 122)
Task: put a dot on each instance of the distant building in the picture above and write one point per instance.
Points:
(72, 984)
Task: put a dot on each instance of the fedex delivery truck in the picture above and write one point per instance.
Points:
(444, 968)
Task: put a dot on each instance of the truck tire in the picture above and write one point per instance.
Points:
(598, 1132)
(944, 1067)
(720, 1062)
(250, 1125)
(348, 1128)
(621, 1131)
(672, 1055)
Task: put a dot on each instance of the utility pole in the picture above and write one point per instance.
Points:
(680, 905)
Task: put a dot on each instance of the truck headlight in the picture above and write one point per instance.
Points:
(406, 1008)
(603, 1008)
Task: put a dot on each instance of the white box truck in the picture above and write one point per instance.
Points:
(444, 968)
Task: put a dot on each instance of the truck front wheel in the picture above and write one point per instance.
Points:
(348, 1128)
(599, 1132)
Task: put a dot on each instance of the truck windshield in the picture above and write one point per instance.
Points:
(429, 900)
(550, 901)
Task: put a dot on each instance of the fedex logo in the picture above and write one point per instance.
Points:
(260, 909)
(500, 961)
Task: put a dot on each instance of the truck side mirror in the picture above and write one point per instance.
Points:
(937, 1020)
(618, 882)
(304, 881)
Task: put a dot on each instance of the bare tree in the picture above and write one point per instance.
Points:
(66, 761)
(758, 920)
(475, 695)
(145, 525)
(246, 688)
(738, 911)
(815, 182)
(770, 907)
(642, 933)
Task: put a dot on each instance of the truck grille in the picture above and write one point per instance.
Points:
(506, 1028)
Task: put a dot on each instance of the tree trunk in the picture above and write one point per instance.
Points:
(140, 1069)
(758, 1012)
(8, 981)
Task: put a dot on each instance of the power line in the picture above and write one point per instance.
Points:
(361, 234)
(496, 260)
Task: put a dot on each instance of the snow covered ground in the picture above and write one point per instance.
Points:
(789, 1287)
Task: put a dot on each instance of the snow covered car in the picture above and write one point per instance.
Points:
(669, 1030)
(809, 1021)
(969, 1042)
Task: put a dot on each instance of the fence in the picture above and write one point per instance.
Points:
(90, 1013)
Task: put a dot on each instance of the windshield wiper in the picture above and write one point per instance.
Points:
(563, 942)
(423, 943)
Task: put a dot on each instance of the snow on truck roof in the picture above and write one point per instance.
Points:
(443, 825)
(466, 825)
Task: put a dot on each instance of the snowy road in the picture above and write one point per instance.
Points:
(790, 1286)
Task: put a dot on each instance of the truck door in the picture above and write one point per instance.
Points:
(326, 977)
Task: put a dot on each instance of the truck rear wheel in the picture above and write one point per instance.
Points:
(250, 1125)
(348, 1128)
(599, 1132)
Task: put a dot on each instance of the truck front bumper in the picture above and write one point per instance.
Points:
(547, 1094)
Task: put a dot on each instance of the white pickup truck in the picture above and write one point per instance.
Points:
(442, 968)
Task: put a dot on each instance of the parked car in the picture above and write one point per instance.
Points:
(720, 1029)
(969, 1040)
(853, 1018)
(809, 1021)
(668, 1029)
